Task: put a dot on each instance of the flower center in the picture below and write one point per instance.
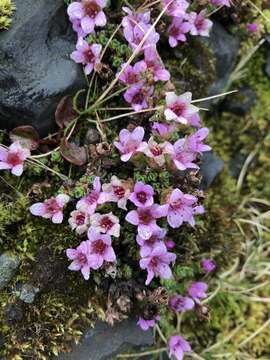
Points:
(82, 259)
(91, 8)
(174, 32)
(154, 262)
(52, 206)
(92, 197)
(138, 98)
(119, 191)
(156, 150)
(142, 197)
(178, 108)
(80, 219)
(176, 204)
(14, 159)
(89, 56)
(106, 223)
(145, 216)
(99, 247)
(132, 78)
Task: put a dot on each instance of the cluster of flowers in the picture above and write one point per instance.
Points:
(13, 158)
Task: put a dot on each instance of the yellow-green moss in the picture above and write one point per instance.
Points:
(6, 12)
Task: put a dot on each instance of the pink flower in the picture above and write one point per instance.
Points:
(181, 208)
(147, 324)
(156, 152)
(177, 31)
(100, 248)
(148, 245)
(117, 191)
(195, 120)
(51, 208)
(81, 259)
(145, 219)
(221, 2)
(198, 290)
(178, 346)
(179, 108)
(133, 74)
(133, 18)
(90, 202)
(181, 155)
(162, 129)
(157, 263)
(79, 221)
(142, 195)
(252, 28)
(89, 13)
(208, 265)
(177, 8)
(130, 143)
(154, 64)
(199, 24)
(137, 95)
(194, 142)
(13, 158)
(134, 35)
(181, 303)
(170, 244)
(106, 223)
(77, 27)
(86, 54)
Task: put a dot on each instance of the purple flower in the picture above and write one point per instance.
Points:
(133, 18)
(130, 143)
(177, 31)
(194, 141)
(170, 244)
(148, 245)
(179, 108)
(197, 291)
(147, 324)
(134, 35)
(252, 28)
(154, 64)
(133, 74)
(199, 24)
(86, 54)
(162, 129)
(221, 2)
(77, 27)
(89, 13)
(181, 155)
(100, 248)
(79, 221)
(142, 195)
(157, 263)
(137, 96)
(177, 8)
(106, 223)
(181, 208)
(208, 265)
(81, 259)
(145, 219)
(13, 158)
(90, 202)
(195, 120)
(181, 303)
(178, 346)
(117, 191)
(156, 152)
(51, 208)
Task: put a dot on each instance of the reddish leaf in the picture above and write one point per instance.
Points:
(26, 135)
(73, 153)
(64, 113)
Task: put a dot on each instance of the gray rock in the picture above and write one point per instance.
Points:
(211, 166)
(225, 49)
(267, 67)
(104, 342)
(27, 293)
(92, 136)
(240, 103)
(36, 70)
(8, 266)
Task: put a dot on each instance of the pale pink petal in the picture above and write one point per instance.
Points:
(57, 218)
(75, 265)
(62, 199)
(38, 209)
(71, 254)
(87, 25)
(100, 19)
(17, 170)
(85, 272)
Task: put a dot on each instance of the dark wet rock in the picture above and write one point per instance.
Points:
(92, 137)
(240, 103)
(104, 342)
(225, 50)
(13, 313)
(27, 293)
(36, 71)
(267, 67)
(211, 166)
(8, 266)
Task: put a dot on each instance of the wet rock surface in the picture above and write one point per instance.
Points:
(240, 103)
(27, 293)
(36, 71)
(103, 342)
(8, 267)
(211, 166)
